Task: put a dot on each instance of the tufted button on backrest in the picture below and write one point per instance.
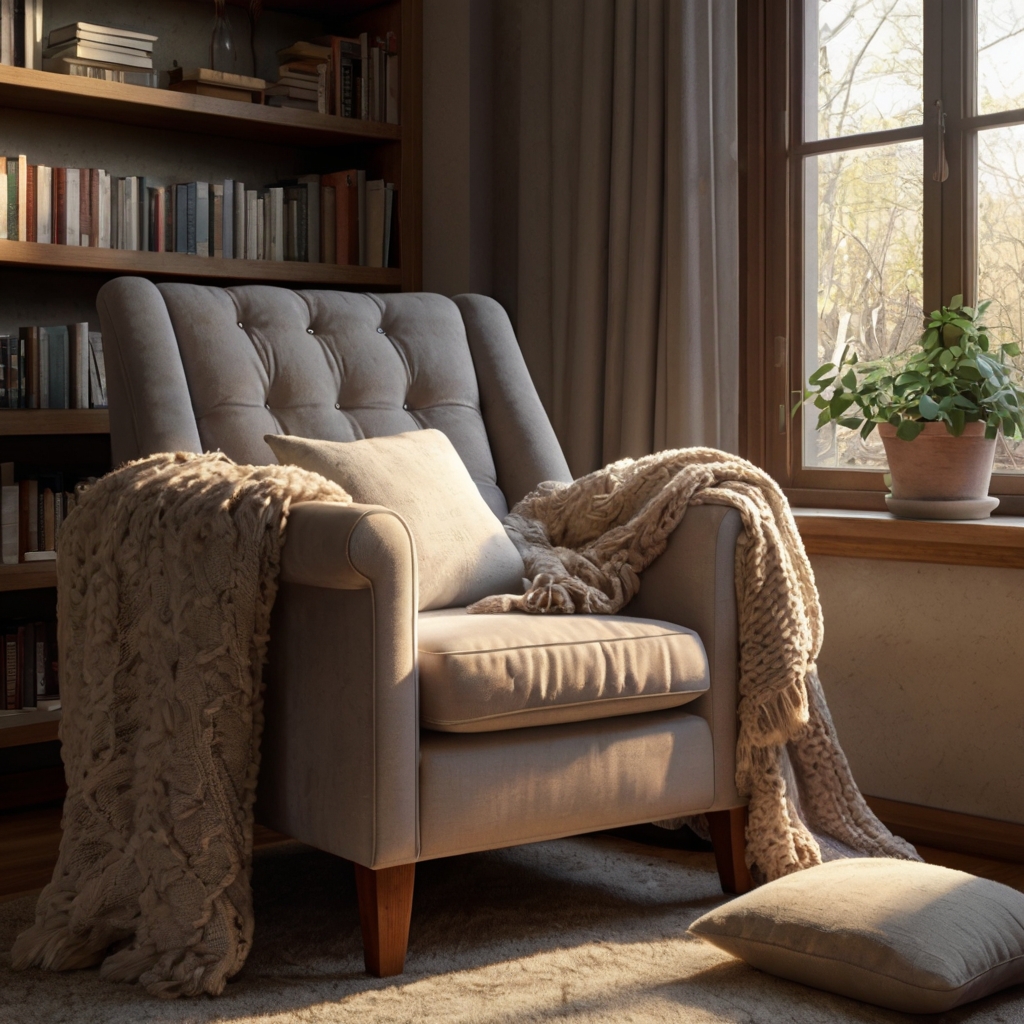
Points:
(337, 366)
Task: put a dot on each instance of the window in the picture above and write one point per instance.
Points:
(885, 173)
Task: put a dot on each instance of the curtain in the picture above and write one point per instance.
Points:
(616, 218)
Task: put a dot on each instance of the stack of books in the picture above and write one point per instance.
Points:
(303, 78)
(354, 77)
(53, 368)
(29, 660)
(220, 85)
(33, 506)
(98, 51)
(340, 217)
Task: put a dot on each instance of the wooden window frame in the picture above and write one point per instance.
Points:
(770, 34)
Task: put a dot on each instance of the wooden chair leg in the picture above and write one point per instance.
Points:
(385, 910)
(728, 836)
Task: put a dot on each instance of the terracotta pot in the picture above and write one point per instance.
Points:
(936, 466)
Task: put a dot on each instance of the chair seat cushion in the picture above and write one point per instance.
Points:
(485, 673)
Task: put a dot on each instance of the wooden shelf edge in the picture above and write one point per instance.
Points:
(176, 264)
(34, 732)
(28, 576)
(26, 89)
(997, 542)
(53, 421)
(951, 830)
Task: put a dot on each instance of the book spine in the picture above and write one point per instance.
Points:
(250, 224)
(27, 642)
(181, 218)
(30, 203)
(104, 210)
(239, 243)
(95, 220)
(31, 367)
(23, 198)
(72, 206)
(228, 227)
(78, 343)
(3, 196)
(5, 343)
(12, 677)
(60, 198)
(328, 219)
(44, 369)
(202, 218)
(217, 221)
(98, 372)
(13, 373)
(12, 199)
(142, 212)
(261, 228)
(40, 635)
(364, 69)
(347, 88)
(9, 501)
(44, 203)
(85, 206)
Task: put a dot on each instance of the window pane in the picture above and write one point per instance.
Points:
(1001, 250)
(865, 65)
(863, 214)
(1000, 55)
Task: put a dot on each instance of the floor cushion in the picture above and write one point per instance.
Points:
(483, 673)
(908, 936)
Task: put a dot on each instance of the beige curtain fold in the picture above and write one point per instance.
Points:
(616, 180)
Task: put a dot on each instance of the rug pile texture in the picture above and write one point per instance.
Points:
(589, 930)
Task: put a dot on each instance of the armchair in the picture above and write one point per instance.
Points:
(637, 713)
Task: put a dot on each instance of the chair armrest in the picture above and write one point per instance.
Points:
(343, 547)
(340, 750)
(693, 584)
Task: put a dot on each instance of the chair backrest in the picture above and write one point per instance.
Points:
(198, 368)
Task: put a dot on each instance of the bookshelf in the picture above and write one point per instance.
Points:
(173, 136)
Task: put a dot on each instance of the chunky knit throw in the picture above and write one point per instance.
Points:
(585, 544)
(167, 572)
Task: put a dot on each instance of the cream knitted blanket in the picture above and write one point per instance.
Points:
(584, 545)
(166, 576)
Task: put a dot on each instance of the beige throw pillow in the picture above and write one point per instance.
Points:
(908, 936)
(462, 550)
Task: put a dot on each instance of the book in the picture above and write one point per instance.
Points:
(251, 224)
(293, 92)
(328, 224)
(84, 208)
(103, 210)
(44, 203)
(9, 502)
(375, 212)
(293, 104)
(346, 232)
(27, 645)
(141, 197)
(202, 217)
(78, 366)
(72, 206)
(277, 227)
(228, 227)
(206, 76)
(389, 220)
(4, 348)
(30, 202)
(72, 31)
(311, 182)
(97, 372)
(261, 228)
(304, 51)
(12, 673)
(30, 337)
(217, 220)
(180, 218)
(3, 194)
(58, 376)
(239, 242)
(296, 198)
(99, 36)
(108, 53)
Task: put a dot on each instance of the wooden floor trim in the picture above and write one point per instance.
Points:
(951, 830)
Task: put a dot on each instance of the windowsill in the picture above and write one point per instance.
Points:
(998, 541)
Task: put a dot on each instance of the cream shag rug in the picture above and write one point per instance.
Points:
(587, 929)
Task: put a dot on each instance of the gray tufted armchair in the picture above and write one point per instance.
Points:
(549, 725)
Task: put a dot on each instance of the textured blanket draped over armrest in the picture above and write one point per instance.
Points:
(585, 544)
(167, 572)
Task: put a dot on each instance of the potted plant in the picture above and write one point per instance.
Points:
(938, 410)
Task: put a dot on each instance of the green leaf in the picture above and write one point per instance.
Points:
(1011, 348)
(826, 415)
(929, 409)
(947, 359)
(850, 422)
(955, 303)
(869, 425)
(931, 338)
(957, 421)
(909, 429)
(822, 371)
(839, 405)
(850, 380)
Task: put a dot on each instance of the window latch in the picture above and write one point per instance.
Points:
(941, 172)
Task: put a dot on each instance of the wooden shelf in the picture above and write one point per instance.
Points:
(32, 732)
(53, 421)
(25, 89)
(28, 575)
(176, 264)
(998, 541)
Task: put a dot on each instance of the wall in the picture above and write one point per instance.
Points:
(458, 132)
(923, 667)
